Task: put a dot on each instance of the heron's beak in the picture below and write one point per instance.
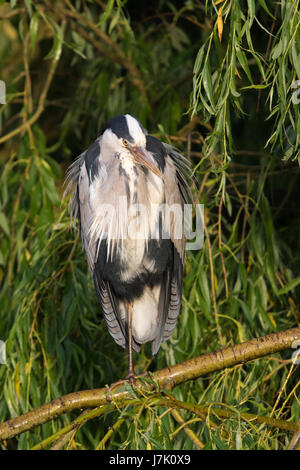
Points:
(143, 158)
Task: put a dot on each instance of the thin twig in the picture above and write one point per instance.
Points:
(107, 46)
(212, 282)
(220, 248)
(112, 429)
(41, 103)
(185, 425)
(12, 13)
(245, 219)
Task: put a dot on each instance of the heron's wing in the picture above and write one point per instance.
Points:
(87, 179)
(79, 182)
(71, 186)
(114, 308)
(169, 301)
(183, 173)
(110, 310)
(176, 192)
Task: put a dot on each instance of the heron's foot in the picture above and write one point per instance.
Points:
(130, 377)
(111, 387)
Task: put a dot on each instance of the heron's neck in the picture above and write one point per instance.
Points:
(129, 173)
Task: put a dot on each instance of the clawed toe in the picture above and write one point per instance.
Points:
(130, 377)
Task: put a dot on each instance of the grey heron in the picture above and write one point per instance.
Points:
(122, 188)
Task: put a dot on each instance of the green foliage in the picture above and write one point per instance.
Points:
(216, 80)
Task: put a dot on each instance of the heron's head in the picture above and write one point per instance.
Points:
(125, 137)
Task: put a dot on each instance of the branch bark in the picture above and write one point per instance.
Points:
(165, 379)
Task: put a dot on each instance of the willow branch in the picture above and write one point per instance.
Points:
(106, 45)
(165, 379)
(41, 104)
(185, 425)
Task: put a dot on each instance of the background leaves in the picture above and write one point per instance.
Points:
(214, 79)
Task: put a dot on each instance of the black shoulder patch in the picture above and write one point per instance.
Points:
(92, 162)
(119, 126)
(159, 152)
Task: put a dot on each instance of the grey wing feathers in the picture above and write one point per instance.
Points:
(175, 297)
(71, 180)
(115, 327)
(111, 313)
(177, 173)
(183, 172)
(77, 181)
(170, 304)
(177, 191)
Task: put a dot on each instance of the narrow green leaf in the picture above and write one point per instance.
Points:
(33, 29)
(198, 61)
(251, 10)
(277, 50)
(28, 6)
(4, 223)
(256, 87)
(244, 63)
(264, 6)
(289, 286)
(207, 83)
(233, 89)
(296, 58)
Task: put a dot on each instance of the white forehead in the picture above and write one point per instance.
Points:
(135, 130)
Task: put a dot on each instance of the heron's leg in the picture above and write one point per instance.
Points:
(131, 373)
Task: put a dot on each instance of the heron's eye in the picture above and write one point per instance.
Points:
(125, 143)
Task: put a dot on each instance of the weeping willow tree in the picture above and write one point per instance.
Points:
(220, 81)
